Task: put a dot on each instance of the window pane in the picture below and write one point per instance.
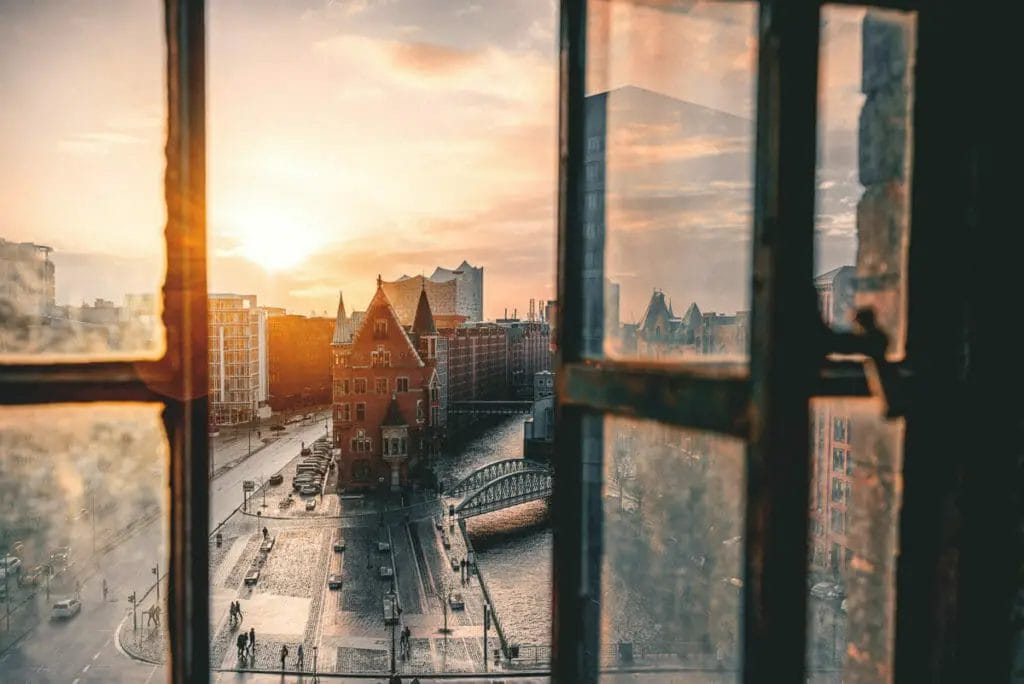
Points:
(668, 186)
(854, 514)
(864, 166)
(672, 576)
(83, 510)
(82, 214)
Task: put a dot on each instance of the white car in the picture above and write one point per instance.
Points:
(10, 565)
(310, 504)
(67, 608)
(456, 601)
(386, 571)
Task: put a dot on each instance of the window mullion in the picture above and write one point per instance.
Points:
(185, 315)
(576, 500)
(783, 357)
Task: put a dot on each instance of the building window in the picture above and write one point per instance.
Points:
(380, 358)
(839, 429)
(361, 444)
(420, 414)
(380, 328)
(360, 412)
(837, 460)
(435, 394)
(361, 470)
(395, 446)
(360, 385)
(380, 386)
(837, 491)
(346, 386)
(837, 521)
(849, 463)
(345, 412)
(402, 384)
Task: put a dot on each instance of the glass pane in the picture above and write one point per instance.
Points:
(864, 167)
(668, 179)
(83, 511)
(321, 183)
(82, 135)
(855, 502)
(673, 550)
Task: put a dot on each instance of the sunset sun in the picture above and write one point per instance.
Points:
(275, 244)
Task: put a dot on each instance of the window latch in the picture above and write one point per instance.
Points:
(882, 376)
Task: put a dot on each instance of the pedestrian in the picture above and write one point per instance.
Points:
(265, 533)
(240, 643)
(284, 654)
(252, 640)
(298, 658)
(104, 589)
(231, 613)
(238, 610)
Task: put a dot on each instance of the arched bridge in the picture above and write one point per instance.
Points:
(489, 408)
(501, 484)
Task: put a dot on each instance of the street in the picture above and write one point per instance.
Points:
(84, 648)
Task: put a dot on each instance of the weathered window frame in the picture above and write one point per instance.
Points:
(178, 381)
(767, 402)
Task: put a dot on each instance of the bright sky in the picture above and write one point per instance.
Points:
(350, 137)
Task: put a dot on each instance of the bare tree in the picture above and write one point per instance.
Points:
(445, 586)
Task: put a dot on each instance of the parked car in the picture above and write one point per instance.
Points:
(309, 489)
(310, 504)
(277, 428)
(456, 602)
(33, 577)
(68, 608)
(252, 576)
(390, 609)
(334, 581)
(276, 479)
(10, 565)
(60, 556)
(386, 571)
(339, 545)
(827, 590)
(383, 546)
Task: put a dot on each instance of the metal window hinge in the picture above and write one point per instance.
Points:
(883, 377)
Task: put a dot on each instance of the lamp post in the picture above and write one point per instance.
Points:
(380, 491)
(156, 571)
(315, 649)
(394, 619)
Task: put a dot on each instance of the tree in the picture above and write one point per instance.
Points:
(445, 588)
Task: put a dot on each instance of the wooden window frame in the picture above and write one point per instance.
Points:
(178, 380)
(960, 190)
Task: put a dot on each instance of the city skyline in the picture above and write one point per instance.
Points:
(306, 175)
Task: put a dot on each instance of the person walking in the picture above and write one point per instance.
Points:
(299, 658)
(252, 641)
(284, 654)
(104, 589)
(240, 643)
(238, 610)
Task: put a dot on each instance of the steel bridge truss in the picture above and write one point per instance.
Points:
(489, 408)
(492, 471)
(505, 491)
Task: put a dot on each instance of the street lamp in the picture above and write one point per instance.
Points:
(393, 602)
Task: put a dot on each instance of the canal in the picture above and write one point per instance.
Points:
(513, 546)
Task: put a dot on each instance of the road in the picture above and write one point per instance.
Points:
(84, 649)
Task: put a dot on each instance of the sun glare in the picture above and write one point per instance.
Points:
(276, 245)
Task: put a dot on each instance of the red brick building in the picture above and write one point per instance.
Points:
(298, 361)
(385, 387)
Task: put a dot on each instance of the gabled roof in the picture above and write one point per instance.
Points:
(380, 301)
(656, 307)
(394, 417)
(423, 324)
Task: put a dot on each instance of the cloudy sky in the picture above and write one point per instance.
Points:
(354, 137)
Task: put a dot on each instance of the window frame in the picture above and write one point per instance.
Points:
(766, 403)
(178, 380)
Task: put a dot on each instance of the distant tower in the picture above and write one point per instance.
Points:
(533, 309)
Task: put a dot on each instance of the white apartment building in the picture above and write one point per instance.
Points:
(236, 359)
